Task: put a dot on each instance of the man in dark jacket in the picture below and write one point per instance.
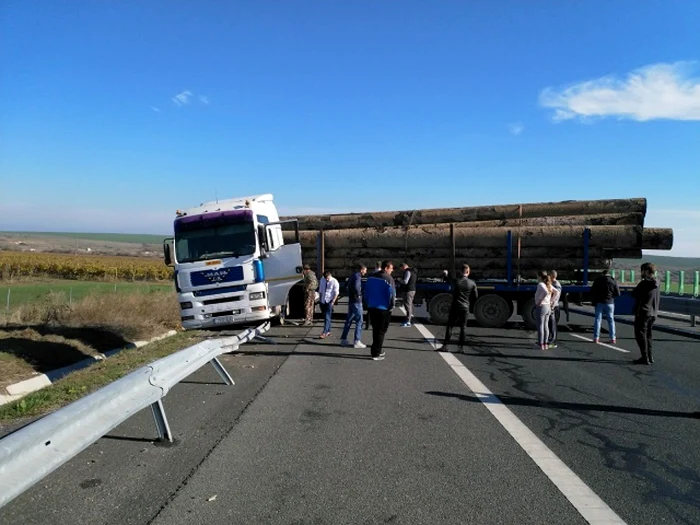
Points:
(603, 292)
(380, 295)
(409, 280)
(354, 308)
(464, 294)
(647, 297)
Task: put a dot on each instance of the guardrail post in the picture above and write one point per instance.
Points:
(696, 284)
(222, 371)
(631, 276)
(667, 282)
(161, 420)
(622, 276)
(613, 273)
(681, 282)
(693, 320)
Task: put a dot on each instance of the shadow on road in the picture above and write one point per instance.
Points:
(576, 407)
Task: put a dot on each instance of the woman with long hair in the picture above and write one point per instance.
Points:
(543, 302)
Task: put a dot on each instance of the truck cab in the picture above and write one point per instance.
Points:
(231, 263)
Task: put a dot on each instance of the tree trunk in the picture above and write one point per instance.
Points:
(432, 265)
(470, 214)
(371, 256)
(438, 236)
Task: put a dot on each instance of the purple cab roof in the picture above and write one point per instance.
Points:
(227, 216)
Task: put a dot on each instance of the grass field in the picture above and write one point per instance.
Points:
(34, 291)
(137, 238)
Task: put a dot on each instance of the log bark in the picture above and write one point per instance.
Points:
(470, 214)
(370, 256)
(479, 273)
(437, 236)
(433, 265)
(657, 239)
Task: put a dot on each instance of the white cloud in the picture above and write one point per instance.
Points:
(516, 128)
(204, 99)
(656, 91)
(157, 110)
(182, 99)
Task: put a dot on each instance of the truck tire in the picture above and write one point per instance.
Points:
(528, 314)
(296, 302)
(439, 308)
(492, 311)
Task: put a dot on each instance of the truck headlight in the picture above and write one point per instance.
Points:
(256, 295)
(185, 306)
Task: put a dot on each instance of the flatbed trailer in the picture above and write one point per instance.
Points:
(498, 299)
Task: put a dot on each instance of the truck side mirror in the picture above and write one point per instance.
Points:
(168, 245)
(262, 239)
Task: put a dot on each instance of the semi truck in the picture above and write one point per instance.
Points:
(231, 263)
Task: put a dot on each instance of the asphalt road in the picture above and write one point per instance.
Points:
(313, 433)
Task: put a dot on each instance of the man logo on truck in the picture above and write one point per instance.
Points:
(217, 276)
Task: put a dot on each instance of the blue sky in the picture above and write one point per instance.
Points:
(115, 114)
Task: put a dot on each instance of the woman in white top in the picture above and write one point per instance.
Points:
(543, 301)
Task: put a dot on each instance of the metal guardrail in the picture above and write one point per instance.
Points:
(681, 305)
(30, 454)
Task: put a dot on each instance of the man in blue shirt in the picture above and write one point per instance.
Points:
(380, 295)
(354, 308)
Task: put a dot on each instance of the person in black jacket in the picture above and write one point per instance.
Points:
(409, 279)
(647, 297)
(603, 293)
(464, 293)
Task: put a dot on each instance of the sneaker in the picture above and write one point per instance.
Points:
(379, 357)
(552, 345)
(613, 341)
(323, 336)
(359, 344)
(406, 324)
(641, 361)
(344, 342)
(596, 340)
(308, 323)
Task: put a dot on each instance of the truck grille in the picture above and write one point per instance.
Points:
(219, 275)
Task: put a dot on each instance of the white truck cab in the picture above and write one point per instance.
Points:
(231, 263)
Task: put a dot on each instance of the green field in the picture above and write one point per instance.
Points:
(134, 238)
(30, 292)
(663, 262)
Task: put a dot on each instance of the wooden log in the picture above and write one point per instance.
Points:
(437, 236)
(372, 255)
(657, 239)
(487, 264)
(469, 214)
(602, 219)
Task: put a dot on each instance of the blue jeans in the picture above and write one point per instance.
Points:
(354, 314)
(327, 310)
(609, 311)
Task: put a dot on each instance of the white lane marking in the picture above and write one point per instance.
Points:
(593, 509)
(601, 344)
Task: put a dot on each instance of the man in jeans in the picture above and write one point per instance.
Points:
(328, 290)
(409, 279)
(603, 293)
(647, 297)
(380, 294)
(354, 308)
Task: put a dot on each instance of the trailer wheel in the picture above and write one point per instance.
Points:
(492, 311)
(528, 314)
(439, 308)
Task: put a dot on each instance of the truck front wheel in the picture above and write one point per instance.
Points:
(529, 314)
(492, 311)
(439, 308)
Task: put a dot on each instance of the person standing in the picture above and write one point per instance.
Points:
(543, 301)
(377, 269)
(647, 295)
(380, 294)
(328, 290)
(556, 295)
(409, 279)
(310, 286)
(464, 294)
(603, 292)
(354, 308)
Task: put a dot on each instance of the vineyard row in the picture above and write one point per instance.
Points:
(82, 267)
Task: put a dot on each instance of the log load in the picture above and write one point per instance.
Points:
(439, 236)
(385, 219)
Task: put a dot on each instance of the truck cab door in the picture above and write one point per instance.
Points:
(282, 266)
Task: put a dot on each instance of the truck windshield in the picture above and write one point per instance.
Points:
(214, 242)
